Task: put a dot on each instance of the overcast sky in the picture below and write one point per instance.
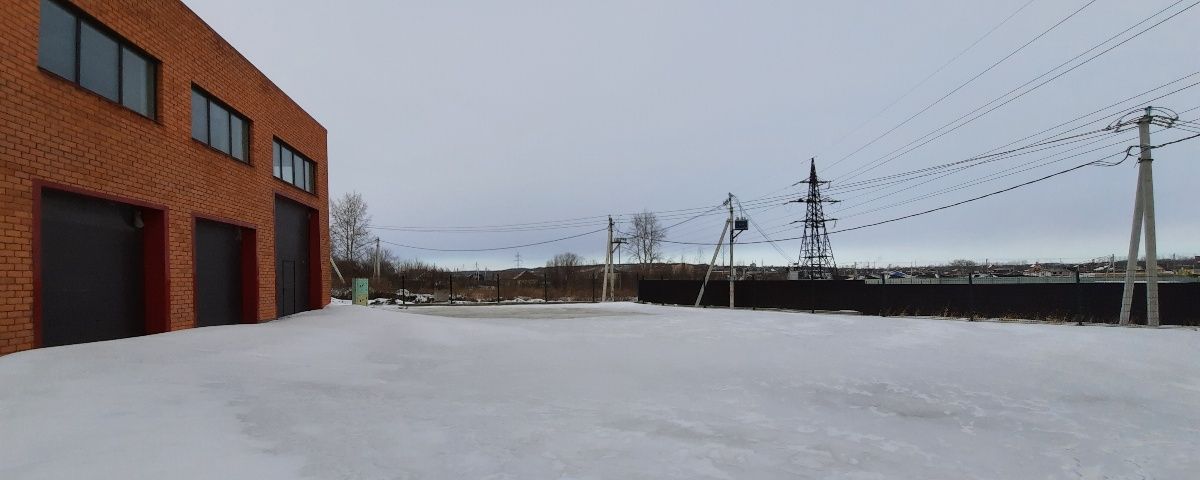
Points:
(456, 114)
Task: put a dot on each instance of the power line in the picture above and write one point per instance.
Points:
(936, 169)
(1184, 139)
(969, 200)
(510, 247)
(786, 257)
(690, 214)
(773, 242)
(964, 84)
(1044, 141)
(1001, 174)
(967, 163)
(959, 203)
(885, 159)
(987, 157)
(931, 75)
(771, 202)
(925, 212)
(987, 178)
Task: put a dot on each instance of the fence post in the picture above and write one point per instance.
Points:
(403, 289)
(812, 295)
(497, 288)
(545, 287)
(883, 294)
(1078, 298)
(971, 296)
(593, 287)
(451, 297)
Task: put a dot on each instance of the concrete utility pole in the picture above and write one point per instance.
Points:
(732, 235)
(736, 227)
(607, 261)
(713, 262)
(609, 291)
(614, 248)
(377, 258)
(337, 270)
(1143, 217)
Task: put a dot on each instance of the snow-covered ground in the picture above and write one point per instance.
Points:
(618, 391)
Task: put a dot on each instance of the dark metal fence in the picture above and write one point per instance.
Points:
(440, 287)
(1084, 302)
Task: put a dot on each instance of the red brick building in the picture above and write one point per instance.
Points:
(151, 178)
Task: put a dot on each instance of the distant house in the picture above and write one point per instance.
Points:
(528, 279)
(1048, 270)
(1004, 272)
(474, 275)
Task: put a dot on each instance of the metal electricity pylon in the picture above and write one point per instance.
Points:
(816, 255)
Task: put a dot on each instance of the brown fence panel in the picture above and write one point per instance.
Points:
(1089, 302)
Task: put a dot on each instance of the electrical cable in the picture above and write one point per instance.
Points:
(511, 247)
(964, 84)
(844, 188)
(931, 75)
(890, 157)
(961, 202)
(944, 207)
(994, 176)
(774, 245)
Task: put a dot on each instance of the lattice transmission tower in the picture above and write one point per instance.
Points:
(816, 255)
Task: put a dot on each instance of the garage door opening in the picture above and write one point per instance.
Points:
(297, 267)
(99, 268)
(226, 286)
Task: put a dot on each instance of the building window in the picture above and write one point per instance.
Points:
(82, 51)
(219, 126)
(294, 168)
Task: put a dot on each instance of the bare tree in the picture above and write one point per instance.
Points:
(348, 220)
(960, 263)
(388, 262)
(567, 259)
(648, 233)
(563, 266)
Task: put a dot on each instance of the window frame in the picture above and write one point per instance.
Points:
(153, 63)
(307, 170)
(247, 125)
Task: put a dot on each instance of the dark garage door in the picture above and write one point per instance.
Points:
(291, 257)
(218, 274)
(91, 270)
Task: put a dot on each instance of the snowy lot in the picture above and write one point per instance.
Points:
(614, 391)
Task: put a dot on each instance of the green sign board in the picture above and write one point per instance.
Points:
(360, 291)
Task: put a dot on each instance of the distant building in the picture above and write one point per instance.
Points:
(528, 278)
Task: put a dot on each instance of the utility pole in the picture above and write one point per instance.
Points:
(518, 259)
(614, 277)
(337, 270)
(608, 291)
(732, 235)
(376, 258)
(736, 227)
(607, 261)
(1143, 217)
(713, 262)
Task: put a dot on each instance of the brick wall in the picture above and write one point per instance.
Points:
(54, 131)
